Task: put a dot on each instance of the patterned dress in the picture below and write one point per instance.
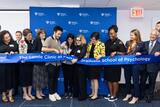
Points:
(39, 74)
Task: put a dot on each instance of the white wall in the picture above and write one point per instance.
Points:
(18, 20)
(14, 20)
(145, 24)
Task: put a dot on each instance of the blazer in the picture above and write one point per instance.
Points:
(152, 67)
(139, 48)
(99, 49)
(37, 45)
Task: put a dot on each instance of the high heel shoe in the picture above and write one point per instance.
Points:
(4, 98)
(27, 98)
(11, 99)
(42, 95)
(94, 98)
(90, 96)
(39, 97)
(134, 100)
(128, 96)
(32, 97)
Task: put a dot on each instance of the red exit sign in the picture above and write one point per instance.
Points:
(137, 12)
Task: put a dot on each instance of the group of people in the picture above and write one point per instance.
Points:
(25, 74)
(40, 75)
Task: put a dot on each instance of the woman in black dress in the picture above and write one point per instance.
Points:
(7, 74)
(26, 69)
(112, 74)
(39, 73)
(79, 73)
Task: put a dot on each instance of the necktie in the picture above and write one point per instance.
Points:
(150, 46)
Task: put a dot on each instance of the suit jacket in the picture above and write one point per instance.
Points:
(152, 67)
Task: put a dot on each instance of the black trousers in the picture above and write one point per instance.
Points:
(17, 79)
(151, 76)
(79, 87)
(53, 74)
(68, 77)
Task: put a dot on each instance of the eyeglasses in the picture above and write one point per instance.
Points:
(78, 40)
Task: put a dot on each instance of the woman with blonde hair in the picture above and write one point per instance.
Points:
(79, 74)
(134, 47)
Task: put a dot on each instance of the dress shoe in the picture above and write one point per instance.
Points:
(27, 98)
(94, 98)
(4, 98)
(39, 97)
(128, 96)
(148, 99)
(11, 99)
(66, 95)
(134, 100)
(32, 97)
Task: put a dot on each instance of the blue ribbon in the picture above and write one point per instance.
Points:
(121, 60)
(51, 57)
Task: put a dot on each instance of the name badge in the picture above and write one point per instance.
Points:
(78, 51)
(11, 45)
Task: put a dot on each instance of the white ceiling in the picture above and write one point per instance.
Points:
(120, 4)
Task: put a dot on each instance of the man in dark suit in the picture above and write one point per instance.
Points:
(151, 72)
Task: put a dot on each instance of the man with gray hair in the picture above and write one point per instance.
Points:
(153, 48)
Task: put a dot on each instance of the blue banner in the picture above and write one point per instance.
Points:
(73, 20)
(52, 57)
